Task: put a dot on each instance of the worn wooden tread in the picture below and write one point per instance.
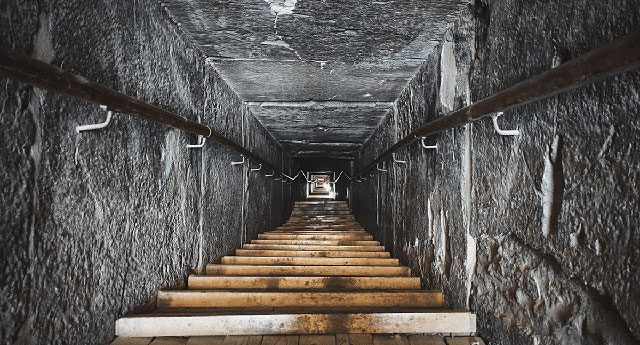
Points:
(251, 299)
(319, 242)
(317, 232)
(310, 247)
(350, 237)
(175, 311)
(303, 283)
(313, 253)
(314, 224)
(360, 271)
(296, 261)
(206, 325)
(319, 273)
(318, 227)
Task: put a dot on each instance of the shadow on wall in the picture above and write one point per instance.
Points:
(537, 233)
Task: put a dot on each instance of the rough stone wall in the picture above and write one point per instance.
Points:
(93, 224)
(538, 234)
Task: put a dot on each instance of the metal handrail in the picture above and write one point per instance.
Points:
(614, 58)
(48, 77)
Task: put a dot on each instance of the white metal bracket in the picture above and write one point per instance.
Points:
(240, 162)
(429, 147)
(94, 126)
(504, 132)
(200, 143)
(393, 155)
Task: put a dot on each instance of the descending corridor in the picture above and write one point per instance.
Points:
(335, 172)
(319, 273)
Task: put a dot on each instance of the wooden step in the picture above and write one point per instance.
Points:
(317, 215)
(360, 271)
(311, 211)
(303, 283)
(158, 325)
(322, 222)
(312, 253)
(319, 242)
(257, 299)
(318, 232)
(325, 237)
(332, 212)
(321, 202)
(317, 228)
(318, 222)
(315, 231)
(308, 247)
(300, 261)
(322, 219)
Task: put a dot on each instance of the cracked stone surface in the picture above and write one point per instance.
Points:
(94, 224)
(339, 138)
(296, 51)
(538, 234)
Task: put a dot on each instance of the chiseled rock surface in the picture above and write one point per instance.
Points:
(539, 230)
(93, 224)
(300, 50)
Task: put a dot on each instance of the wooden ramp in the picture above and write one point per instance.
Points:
(320, 273)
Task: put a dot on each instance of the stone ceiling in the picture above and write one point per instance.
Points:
(319, 74)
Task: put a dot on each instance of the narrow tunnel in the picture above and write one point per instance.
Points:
(347, 172)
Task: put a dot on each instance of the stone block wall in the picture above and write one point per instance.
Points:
(94, 224)
(538, 233)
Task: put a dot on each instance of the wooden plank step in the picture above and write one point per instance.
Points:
(325, 237)
(321, 215)
(317, 228)
(312, 253)
(360, 271)
(131, 341)
(318, 223)
(316, 231)
(257, 299)
(309, 247)
(422, 339)
(320, 201)
(303, 283)
(315, 224)
(319, 242)
(354, 339)
(330, 211)
(322, 211)
(464, 341)
(298, 261)
(311, 212)
(381, 323)
(387, 339)
(169, 341)
(322, 219)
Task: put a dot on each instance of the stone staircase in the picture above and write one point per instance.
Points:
(319, 273)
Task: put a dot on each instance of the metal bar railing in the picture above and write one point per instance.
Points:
(614, 58)
(45, 76)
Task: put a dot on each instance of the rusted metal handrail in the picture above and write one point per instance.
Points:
(614, 58)
(48, 77)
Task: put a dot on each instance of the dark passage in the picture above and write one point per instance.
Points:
(463, 159)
